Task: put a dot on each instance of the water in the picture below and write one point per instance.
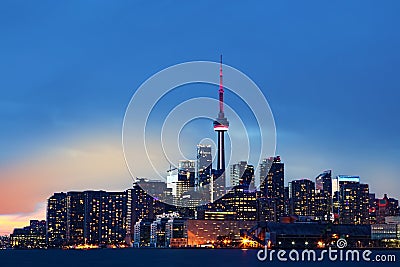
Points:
(160, 257)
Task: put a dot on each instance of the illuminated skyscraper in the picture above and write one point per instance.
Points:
(323, 196)
(95, 215)
(236, 172)
(140, 206)
(75, 218)
(272, 185)
(116, 208)
(302, 197)
(56, 220)
(204, 165)
(354, 203)
(337, 182)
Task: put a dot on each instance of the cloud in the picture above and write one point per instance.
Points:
(90, 161)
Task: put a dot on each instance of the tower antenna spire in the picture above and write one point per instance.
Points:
(221, 90)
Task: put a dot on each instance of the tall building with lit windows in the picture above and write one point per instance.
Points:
(89, 217)
(116, 208)
(302, 197)
(56, 220)
(323, 196)
(354, 203)
(272, 185)
(95, 216)
(75, 218)
(337, 182)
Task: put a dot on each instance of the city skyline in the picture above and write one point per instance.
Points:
(332, 87)
(136, 218)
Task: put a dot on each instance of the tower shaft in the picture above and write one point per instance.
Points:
(221, 151)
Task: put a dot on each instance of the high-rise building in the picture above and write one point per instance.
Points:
(354, 203)
(337, 182)
(94, 216)
(236, 173)
(272, 184)
(302, 196)
(75, 218)
(323, 196)
(204, 165)
(140, 206)
(247, 178)
(89, 217)
(117, 217)
(105, 217)
(56, 220)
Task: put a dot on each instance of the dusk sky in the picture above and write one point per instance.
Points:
(329, 70)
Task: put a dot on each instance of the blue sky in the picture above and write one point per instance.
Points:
(329, 70)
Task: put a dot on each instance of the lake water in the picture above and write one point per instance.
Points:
(162, 257)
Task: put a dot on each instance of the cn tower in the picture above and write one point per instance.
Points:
(221, 125)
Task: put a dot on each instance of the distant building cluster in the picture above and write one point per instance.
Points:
(305, 213)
